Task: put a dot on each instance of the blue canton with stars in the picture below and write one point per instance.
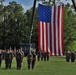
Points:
(44, 13)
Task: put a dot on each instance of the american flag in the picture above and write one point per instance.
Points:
(51, 29)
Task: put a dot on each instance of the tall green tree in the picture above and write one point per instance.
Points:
(13, 28)
(70, 27)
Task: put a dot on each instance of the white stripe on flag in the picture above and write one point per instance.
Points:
(44, 36)
(49, 38)
(60, 30)
(56, 30)
(40, 35)
(52, 23)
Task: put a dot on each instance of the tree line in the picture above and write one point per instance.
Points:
(15, 25)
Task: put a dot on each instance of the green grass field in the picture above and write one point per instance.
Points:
(56, 66)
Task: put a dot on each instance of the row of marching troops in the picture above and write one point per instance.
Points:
(9, 54)
(70, 55)
(43, 56)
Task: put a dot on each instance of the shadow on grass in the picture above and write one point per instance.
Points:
(58, 61)
(8, 69)
(13, 68)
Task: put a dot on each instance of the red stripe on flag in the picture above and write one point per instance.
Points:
(38, 35)
(43, 36)
(50, 39)
(55, 30)
(63, 29)
(46, 37)
(59, 30)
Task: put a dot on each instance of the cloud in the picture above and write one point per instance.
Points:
(26, 7)
(29, 4)
(5, 3)
(67, 1)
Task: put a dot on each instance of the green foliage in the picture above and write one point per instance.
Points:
(15, 25)
(72, 46)
(56, 66)
(69, 27)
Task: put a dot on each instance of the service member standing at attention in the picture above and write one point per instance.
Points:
(34, 59)
(22, 55)
(0, 58)
(18, 59)
(7, 59)
(72, 56)
(38, 56)
(67, 56)
(29, 60)
(42, 55)
(47, 55)
(11, 57)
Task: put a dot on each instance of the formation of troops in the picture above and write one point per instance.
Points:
(70, 56)
(31, 59)
(7, 56)
(43, 56)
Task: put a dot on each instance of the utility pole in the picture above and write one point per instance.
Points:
(74, 3)
(31, 24)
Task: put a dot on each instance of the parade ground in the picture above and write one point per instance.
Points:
(55, 66)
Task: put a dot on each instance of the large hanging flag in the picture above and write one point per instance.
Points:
(51, 29)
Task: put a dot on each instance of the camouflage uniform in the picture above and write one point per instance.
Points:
(22, 54)
(11, 57)
(72, 56)
(67, 56)
(33, 60)
(18, 59)
(47, 56)
(44, 56)
(38, 56)
(0, 58)
(29, 60)
(7, 59)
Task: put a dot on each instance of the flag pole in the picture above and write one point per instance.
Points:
(31, 24)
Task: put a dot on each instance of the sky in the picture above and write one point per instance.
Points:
(27, 4)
